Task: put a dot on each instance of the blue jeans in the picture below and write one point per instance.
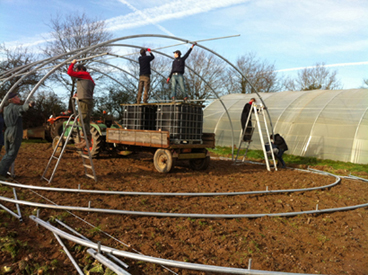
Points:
(177, 80)
(279, 157)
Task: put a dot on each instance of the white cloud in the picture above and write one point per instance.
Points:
(145, 17)
(327, 66)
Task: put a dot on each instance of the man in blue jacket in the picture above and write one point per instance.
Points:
(14, 131)
(177, 72)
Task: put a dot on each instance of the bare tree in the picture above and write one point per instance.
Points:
(13, 58)
(205, 67)
(258, 72)
(317, 78)
(75, 32)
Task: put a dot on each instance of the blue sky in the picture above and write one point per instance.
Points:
(289, 33)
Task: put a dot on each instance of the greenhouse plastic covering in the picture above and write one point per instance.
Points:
(326, 124)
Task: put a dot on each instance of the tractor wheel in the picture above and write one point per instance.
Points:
(48, 133)
(163, 160)
(96, 146)
(199, 164)
(55, 142)
(57, 128)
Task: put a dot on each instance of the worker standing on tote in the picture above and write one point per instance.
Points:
(177, 72)
(85, 88)
(144, 74)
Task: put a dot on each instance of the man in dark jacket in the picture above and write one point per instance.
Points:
(14, 131)
(177, 72)
(244, 116)
(144, 74)
(282, 146)
(85, 88)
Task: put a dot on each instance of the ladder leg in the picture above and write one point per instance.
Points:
(90, 166)
(269, 141)
(261, 138)
(77, 115)
(244, 133)
(61, 151)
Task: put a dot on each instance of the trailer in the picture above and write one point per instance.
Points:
(165, 152)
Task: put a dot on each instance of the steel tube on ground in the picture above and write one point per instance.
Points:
(178, 264)
(85, 238)
(129, 193)
(182, 215)
(18, 208)
(11, 212)
(103, 260)
(68, 254)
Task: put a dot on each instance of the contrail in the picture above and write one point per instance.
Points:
(146, 17)
(170, 11)
(331, 65)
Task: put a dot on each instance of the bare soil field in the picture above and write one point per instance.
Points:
(331, 243)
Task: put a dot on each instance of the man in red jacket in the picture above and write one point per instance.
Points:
(85, 88)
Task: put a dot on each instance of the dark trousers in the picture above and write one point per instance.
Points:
(279, 157)
(144, 82)
(248, 131)
(12, 146)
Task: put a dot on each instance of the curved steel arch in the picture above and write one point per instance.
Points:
(105, 74)
(131, 37)
(218, 97)
(119, 56)
(43, 63)
(118, 68)
(218, 55)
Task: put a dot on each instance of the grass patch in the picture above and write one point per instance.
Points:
(332, 166)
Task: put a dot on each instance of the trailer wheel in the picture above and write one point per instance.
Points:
(55, 142)
(163, 161)
(199, 164)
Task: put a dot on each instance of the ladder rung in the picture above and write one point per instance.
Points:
(90, 176)
(87, 166)
(85, 156)
(55, 157)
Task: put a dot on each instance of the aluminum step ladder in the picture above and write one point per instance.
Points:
(60, 148)
(257, 110)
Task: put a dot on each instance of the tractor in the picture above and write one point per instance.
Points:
(98, 133)
(54, 125)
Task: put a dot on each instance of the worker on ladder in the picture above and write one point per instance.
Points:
(85, 88)
(244, 116)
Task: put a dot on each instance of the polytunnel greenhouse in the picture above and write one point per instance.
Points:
(327, 124)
